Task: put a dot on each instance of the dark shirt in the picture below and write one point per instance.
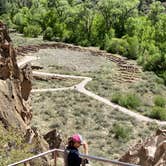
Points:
(73, 157)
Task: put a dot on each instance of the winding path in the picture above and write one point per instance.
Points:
(25, 60)
(81, 88)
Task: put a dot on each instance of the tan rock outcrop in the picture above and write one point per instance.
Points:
(26, 84)
(15, 87)
(53, 138)
(150, 153)
(4, 68)
(13, 111)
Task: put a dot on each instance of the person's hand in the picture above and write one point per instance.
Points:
(85, 147)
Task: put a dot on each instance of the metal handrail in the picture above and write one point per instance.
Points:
(107, 160)
(81, 155)
(36, 156)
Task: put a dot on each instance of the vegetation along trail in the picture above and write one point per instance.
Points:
(81, 88)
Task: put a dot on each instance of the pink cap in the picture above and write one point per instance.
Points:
(77, 138)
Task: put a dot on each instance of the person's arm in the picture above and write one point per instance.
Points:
(85, 148)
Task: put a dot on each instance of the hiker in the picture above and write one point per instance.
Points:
(74, 143)
(5, 40)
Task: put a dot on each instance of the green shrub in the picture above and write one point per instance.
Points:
(84, 43)
(48, 34)
(117, 46)
(127, 46)
(160, 101)
(133, 47)
(158, 113)
(116, 98)
(154, 60)
(12, 146)
(163, 75)
(20, 21)
(130, 101)
(127, 100)
(32, 30)
(7, 20)
(121, 131)
(61, 32)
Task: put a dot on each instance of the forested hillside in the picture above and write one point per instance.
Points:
(132, 28)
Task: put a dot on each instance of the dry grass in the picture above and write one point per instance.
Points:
(20, 40)
(105, 74)
(71, 112)
(55, 83)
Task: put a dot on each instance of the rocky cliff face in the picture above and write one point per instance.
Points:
(14, 110)
(15, 87)
(150, 153)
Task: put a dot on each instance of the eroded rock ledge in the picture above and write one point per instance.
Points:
(150, 153)
(14, 110)
(15, 87)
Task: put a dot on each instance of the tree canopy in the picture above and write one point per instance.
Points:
(133, 28)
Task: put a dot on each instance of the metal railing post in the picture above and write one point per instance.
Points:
(55, 158)
(26, 164)
(65, 157)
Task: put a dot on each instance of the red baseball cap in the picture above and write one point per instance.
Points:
(77, 138)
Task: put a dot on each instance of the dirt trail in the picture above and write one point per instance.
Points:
(51, 89)
(81, 88)
(26, 59)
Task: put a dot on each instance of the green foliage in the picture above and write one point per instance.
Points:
(60, 31)
(117, 46)
(48, 34)
(156, 8)
(32, 31)
(129, 100)
(126, 46)
(21, 21)
(116, 98)
(141, 28)
(6, 18)
(12, 146)
(98, 31)
(133, 47)
(3, 6)
(163, 75)
(135, 29)
(122, 131)
(37, 16)
(160, 101)
(160, 29)
(155, 62)
(116, 13)
(158, 113)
